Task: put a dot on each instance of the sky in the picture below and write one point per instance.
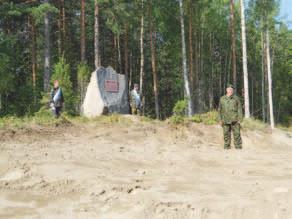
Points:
(286, 11)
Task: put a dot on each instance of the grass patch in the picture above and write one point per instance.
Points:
(112, 118)
(209, 118)
(253, 124)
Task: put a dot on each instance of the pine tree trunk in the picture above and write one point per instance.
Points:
(60, 31)
(142, 56)
(244, 62)
(126, 56)
(96, 36)
(210, 89)
(83, 34)
(187, 93)
(201, 73)
(263, 78)
(119, 54)
(233, 44)
(270, 80)
(153, 62)
(33, 52)
(61, 27)
(115, 53)
(47, 51)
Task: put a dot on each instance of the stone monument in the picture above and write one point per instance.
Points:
(106, 93)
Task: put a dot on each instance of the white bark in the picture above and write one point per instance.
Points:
(244, 62)
(270, 80)
(184, 61)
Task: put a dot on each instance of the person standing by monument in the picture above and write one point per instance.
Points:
(135, 100)
(57, 99)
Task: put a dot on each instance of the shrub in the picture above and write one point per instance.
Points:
(83, 76)
(179, 112)
(180, 108)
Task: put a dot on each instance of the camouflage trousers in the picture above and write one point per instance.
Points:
(235, 128)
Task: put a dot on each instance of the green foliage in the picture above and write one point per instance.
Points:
(211, 44)
(209, 118)
(39, 11)
(180, 108)
(62, 74)
(83, 72)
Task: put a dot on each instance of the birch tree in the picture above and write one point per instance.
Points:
(244, 61)
(184, 61)
(272, 123)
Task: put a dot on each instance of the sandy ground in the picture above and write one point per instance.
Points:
(145, 171)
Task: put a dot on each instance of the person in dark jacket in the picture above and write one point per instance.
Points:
(230, 116)
(57, 99)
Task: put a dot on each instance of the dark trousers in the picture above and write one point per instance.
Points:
(57, 112)
(235, 128)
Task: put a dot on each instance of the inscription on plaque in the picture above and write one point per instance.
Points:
(111, 86)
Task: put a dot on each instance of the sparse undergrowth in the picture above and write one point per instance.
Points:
(45, 118)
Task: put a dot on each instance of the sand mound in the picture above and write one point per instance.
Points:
(143, 170)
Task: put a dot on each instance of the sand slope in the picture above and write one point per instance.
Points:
(143, 170)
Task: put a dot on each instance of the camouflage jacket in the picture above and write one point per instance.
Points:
(230, 109)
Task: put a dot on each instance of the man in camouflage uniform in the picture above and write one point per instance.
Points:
(230, 116)
(135, 100)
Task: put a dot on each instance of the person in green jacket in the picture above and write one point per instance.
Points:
(230, 116)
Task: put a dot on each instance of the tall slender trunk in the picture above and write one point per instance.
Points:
(244, 62)
(211, 94)
(96, 36)
(233, 44)
(60, 31)
(62, 27)
(126, 56)
(263, 77)
(83, 34)
(119, 54)
(153, 62)
(63, 18)
(272, 122)
(130, 70)
(201, 72)
(187, 92)
(33, 52)
(47, 51)
(142, 55)
(191, 52)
